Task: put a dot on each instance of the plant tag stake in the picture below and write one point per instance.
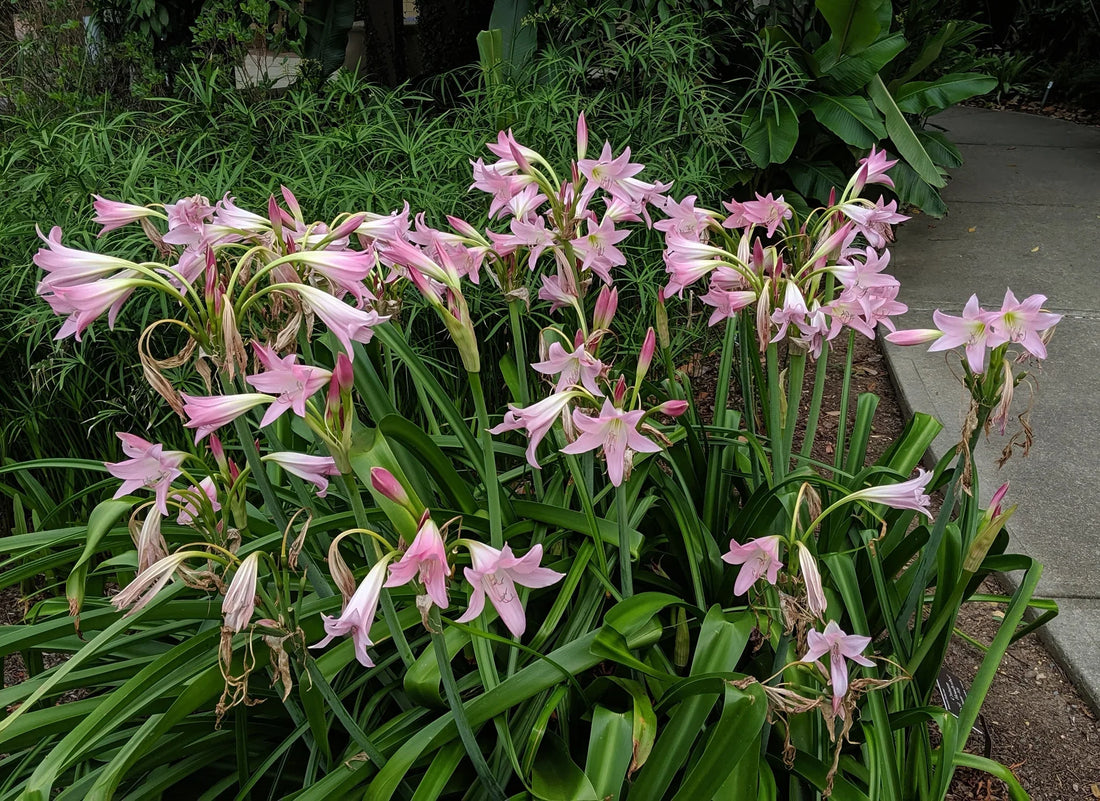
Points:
(953, 694)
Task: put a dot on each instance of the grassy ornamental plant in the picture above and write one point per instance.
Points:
(607, 591)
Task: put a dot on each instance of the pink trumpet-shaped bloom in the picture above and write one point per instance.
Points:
(758, 558)
(725, 303)
(187, 219)
(970, 331)
(616, 433)
(67, 266)
(793, 310)
(229, 215)
(207, 414)
(597, 248)
(874, 222)
(85, 303)
(112, 214)
(348, 324)
(903, 495)
(358, 615)
(344, 269)
(496, 574)
(571, 368)
(240, 599)
(189, 501)
(872, 170)
(767, 211)
(1022, 321)
(314, 469)
(426, 561)
(292, 383)
(536, 420)
(840, 647)
(684, 218)
(815, 593)
(149, 466)
(609, 172)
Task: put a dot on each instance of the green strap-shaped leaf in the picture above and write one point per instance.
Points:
(901, 134)
(556, 776)
(610, 749)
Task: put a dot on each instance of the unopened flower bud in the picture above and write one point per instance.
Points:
(662, 320)
(815, 594)
(386, 483)
(606, 304)
(673, 408)
(582, 136)
(645, 356)
(343, 373)
(620, 391)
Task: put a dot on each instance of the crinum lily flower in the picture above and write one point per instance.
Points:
(840, 647)
(758, 558)
(495, 573)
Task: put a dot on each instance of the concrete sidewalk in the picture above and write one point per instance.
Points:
(1024, 214)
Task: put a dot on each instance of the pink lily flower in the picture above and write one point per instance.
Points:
(524, 204)
(767, 211)
(840, 647)
(725, 303)
(814, 330)
(426, 561)
(597, 248)
(1022, 321)
(793, 310)
(874, 222)
(872, 170)
(903, 495)
(506, 147)
(971, 331)
(207, 414)
(533, 235)
(67, 266)
(189, 500)
(608, 172)
(687, 260)
(358, 615)
(348, 324)
(85, 303)
(496, 574)
(536, 420)
(880, 304)
(231, 217)
(112, 214)
(616, 433)
(240, 598)
(344, 269)
(314, 469)
(571, 368)
(758, 558)
(292, 383)
(848, 310)
(496, 181)
(861, 277)
(385, 227)
(558, 291)
(684, 218)
(149, 466)
(187, 219)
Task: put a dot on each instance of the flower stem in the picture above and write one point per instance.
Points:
(820, 369)
(718, 459)
(772, 414)
(466, 734)
(492, 486)
(845, 390)
(521, 371)
(626, 577)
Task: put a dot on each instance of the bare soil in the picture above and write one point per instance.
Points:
(1039, 724)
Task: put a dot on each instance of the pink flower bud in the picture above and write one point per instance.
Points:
(218, 451)
(998, 496)
(582, 136)
(915, 336)
(673, 408)
(343, 373)
(619, 391)
(386, 484)
(606, 304)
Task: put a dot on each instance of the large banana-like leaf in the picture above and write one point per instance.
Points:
(901, 134)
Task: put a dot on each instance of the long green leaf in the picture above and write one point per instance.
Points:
(901, 134)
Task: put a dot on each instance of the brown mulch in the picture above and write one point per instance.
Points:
(1060, 111)
(1040, 726)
